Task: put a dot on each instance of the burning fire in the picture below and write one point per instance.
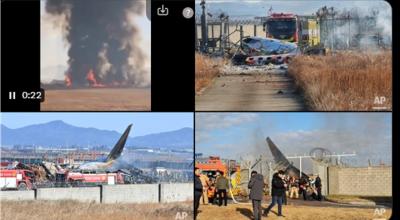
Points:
(68, 81)
(92, 79)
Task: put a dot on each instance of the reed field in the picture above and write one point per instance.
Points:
(344, 80)
(206, 69)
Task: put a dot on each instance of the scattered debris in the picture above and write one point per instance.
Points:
(247, 70)
(264, 51)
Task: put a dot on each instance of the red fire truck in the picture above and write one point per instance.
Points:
(282, 26)
(19, 179)
(77, 178)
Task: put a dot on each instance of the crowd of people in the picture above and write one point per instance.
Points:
(213, 189)
(210, 189)
(283, 186)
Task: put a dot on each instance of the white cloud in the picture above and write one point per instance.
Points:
(208, 121)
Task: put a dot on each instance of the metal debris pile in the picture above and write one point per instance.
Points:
(264, 51)
(260, 69)
(136, 176)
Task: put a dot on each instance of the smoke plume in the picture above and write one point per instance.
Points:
(102, 39)
(357, 28)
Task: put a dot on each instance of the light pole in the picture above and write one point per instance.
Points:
(204, 27)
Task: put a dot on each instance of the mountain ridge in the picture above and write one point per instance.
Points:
(58, 133)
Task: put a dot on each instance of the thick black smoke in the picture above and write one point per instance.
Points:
(101, 38)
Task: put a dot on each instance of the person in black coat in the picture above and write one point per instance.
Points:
(198, 190)
(256, 186)
(278, 191)
(318, 185)
(303, 187)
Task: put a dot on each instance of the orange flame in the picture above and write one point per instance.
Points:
(68, 81)
(92, 79)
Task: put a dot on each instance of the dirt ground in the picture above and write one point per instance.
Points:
(97, 99)
(272, 91)
(60, 210)
(291, 212)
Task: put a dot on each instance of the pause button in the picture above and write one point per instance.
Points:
(11, 95)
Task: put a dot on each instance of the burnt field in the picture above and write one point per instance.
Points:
(97, 99)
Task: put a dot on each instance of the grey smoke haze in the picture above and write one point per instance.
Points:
(368, 18)
(367, 134)
(101, 37)
(365, 28)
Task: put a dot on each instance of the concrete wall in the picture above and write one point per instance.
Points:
(135, 193)
(87, 194)
(17, 195)
(322, 170)
(176, 192)
(364, 181)
(140, 193)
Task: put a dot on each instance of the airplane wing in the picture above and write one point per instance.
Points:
(282, 163)
(119, 146)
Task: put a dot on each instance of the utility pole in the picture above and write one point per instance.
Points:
(204, 28)
(349, 36)
(270, 176)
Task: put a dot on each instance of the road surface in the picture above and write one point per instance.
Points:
(251, 90)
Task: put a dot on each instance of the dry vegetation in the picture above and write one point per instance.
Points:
(97, 99)
(292, 212)
(49, 210)
(344, 81)
(206, 69)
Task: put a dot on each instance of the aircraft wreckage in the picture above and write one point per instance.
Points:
(282, 163)
(263, 51)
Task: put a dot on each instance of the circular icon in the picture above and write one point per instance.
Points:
(188, 12)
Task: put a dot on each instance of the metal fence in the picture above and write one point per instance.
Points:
(336, 33)
(225, 35)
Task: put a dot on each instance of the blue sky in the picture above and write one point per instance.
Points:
(233, 135)
(143, 123)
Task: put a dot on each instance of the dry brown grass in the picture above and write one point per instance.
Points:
(97, 99)
(60, 210)
(206, 69)
(291, 212)
(344, 81)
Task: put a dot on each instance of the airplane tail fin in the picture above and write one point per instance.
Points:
(119, 146)
(277, 154)
(282, 163)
